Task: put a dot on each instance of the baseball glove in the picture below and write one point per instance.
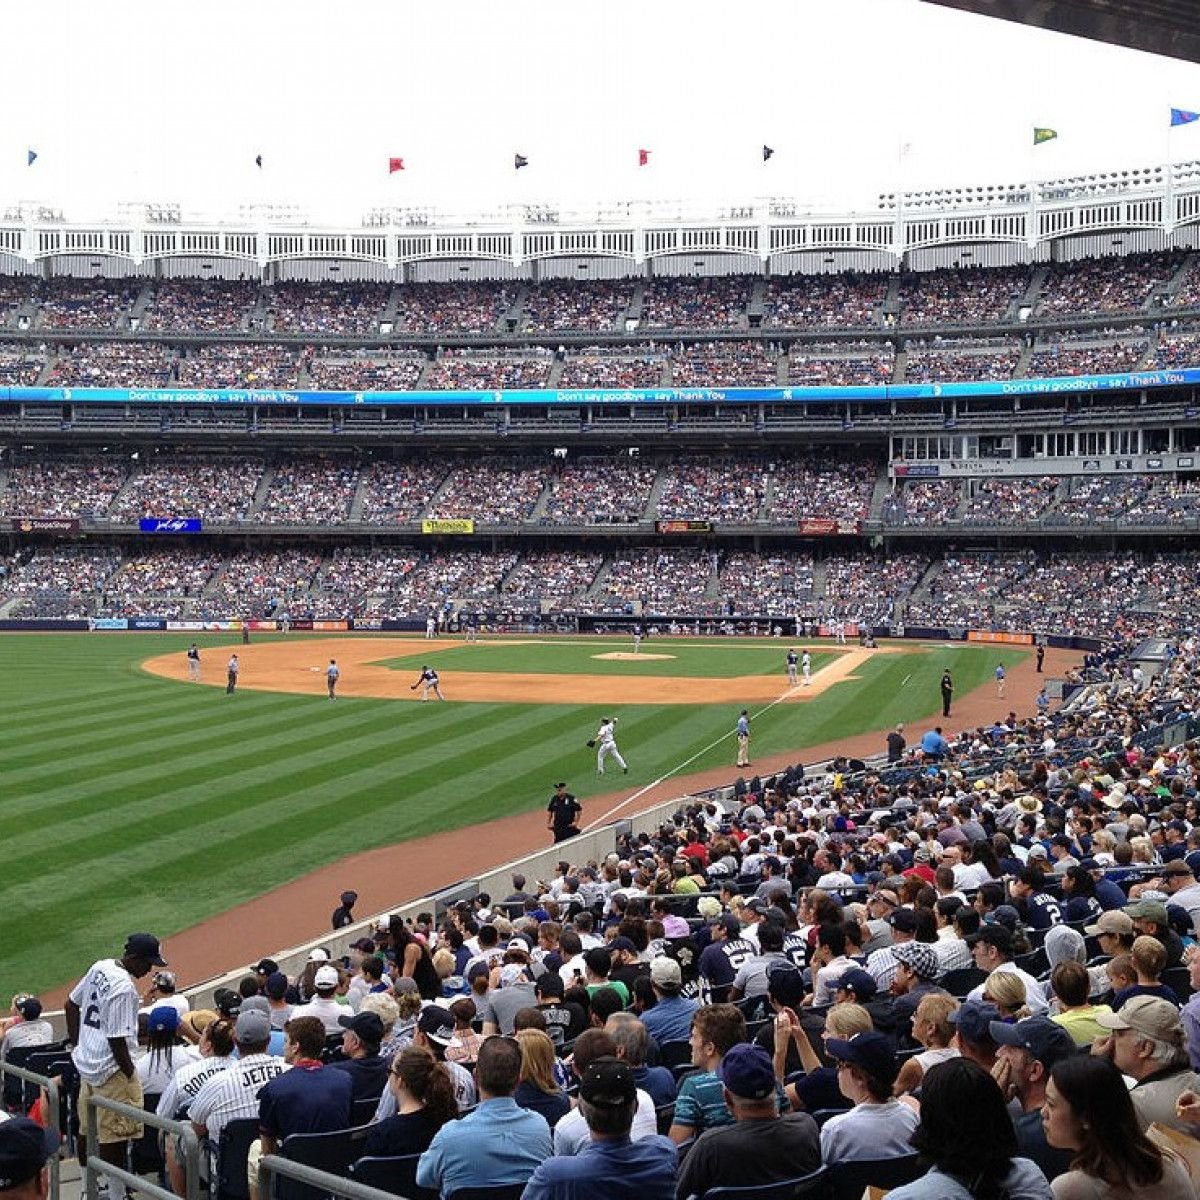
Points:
(591, 745)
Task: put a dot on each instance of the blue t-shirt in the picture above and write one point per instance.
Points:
(309, 1098)
(609, 1170)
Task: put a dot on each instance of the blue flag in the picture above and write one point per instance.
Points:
(30, 158)
(1180, 116)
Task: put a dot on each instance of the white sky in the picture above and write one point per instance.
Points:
(170, 102)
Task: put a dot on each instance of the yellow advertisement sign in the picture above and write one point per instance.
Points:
(448, 526)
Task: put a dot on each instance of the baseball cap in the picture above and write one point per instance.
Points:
(265, 966)
(252, 1027)
(747, 1072)
(1148, 1015)
(256, 1004)
(974, 1020)
(1113, 921)
(1044, 1039)
(608, 1083)
(903, 919)
(145, 945)
(277, 985)
(438, 1026)
(665, 973)
(365, 944)
(326, 977)
(24, 1149)
(163, 1017)
(920, 957)
(30, 1007)
(365, 1025)
(730, 924)
(999, 936)
(318, 954)
(1147, 910)
(623, 943)
(785, 983)
(861, 983)
(1006, 915)
(349, 898)
(870, 1051)
(164, 979)
(228, 1002)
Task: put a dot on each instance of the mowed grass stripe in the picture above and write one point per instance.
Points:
(254, 770)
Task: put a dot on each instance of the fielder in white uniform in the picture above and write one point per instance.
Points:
(430, 627)
(606, 745)
(806, 667)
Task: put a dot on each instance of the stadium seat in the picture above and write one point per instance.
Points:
(961, 982)
(233, 1149)
(332, 1152)
(396, 1174)
(849, 1180)
(813, 1184)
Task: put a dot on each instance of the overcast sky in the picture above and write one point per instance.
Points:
(168, 101)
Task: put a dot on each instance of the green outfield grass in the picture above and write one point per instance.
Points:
(130, 801)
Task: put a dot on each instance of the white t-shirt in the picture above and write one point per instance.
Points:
(28, 1033)
(157, 1070)
(108, 1008)
(571, 1134)
(326, 1011)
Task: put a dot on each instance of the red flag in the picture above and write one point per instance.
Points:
(394, 165)
(643, 157)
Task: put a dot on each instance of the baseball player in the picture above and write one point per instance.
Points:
(743, 738)
(231, 675)
(637, 639)
(1000, 680)
(792, 659)
(427, 681)
(605, 743)
(193, 657)
(332, 674)
(430, 627)
(806, 667)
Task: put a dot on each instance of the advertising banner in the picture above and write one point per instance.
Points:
(44, 524)
(683, 526)
(823, 526)
(170, 524)
(147, 623)
(990, 635)
(448, 526)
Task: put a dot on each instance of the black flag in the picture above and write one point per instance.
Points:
(519, 161)
(767, 152)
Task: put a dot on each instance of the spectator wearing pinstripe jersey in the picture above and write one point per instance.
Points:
(232, 1094)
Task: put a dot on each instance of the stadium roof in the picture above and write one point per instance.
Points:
(1166, 27)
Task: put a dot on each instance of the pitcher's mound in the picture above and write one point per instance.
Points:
(629, 656)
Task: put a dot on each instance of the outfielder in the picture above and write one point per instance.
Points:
(792, 659)
(426, 681)
(605, 743)
(806, 667)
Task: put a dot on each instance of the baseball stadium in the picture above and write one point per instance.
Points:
(779, 611)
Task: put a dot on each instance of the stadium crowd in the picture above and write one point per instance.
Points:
(559, 305)
(976, 963)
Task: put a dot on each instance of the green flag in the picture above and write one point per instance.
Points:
(1043, 135)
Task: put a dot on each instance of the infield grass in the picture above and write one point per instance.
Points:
(130, 801)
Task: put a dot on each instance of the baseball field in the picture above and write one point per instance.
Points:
(132, 798)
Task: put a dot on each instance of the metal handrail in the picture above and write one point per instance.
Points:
(271, 1165)
(50, 1087)
(189, 1145)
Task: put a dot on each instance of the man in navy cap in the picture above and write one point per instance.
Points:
(1027, 1053)
(760, 1147)
(611, 1166)
(25, 1148)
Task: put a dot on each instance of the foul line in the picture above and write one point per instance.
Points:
(687, 762)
